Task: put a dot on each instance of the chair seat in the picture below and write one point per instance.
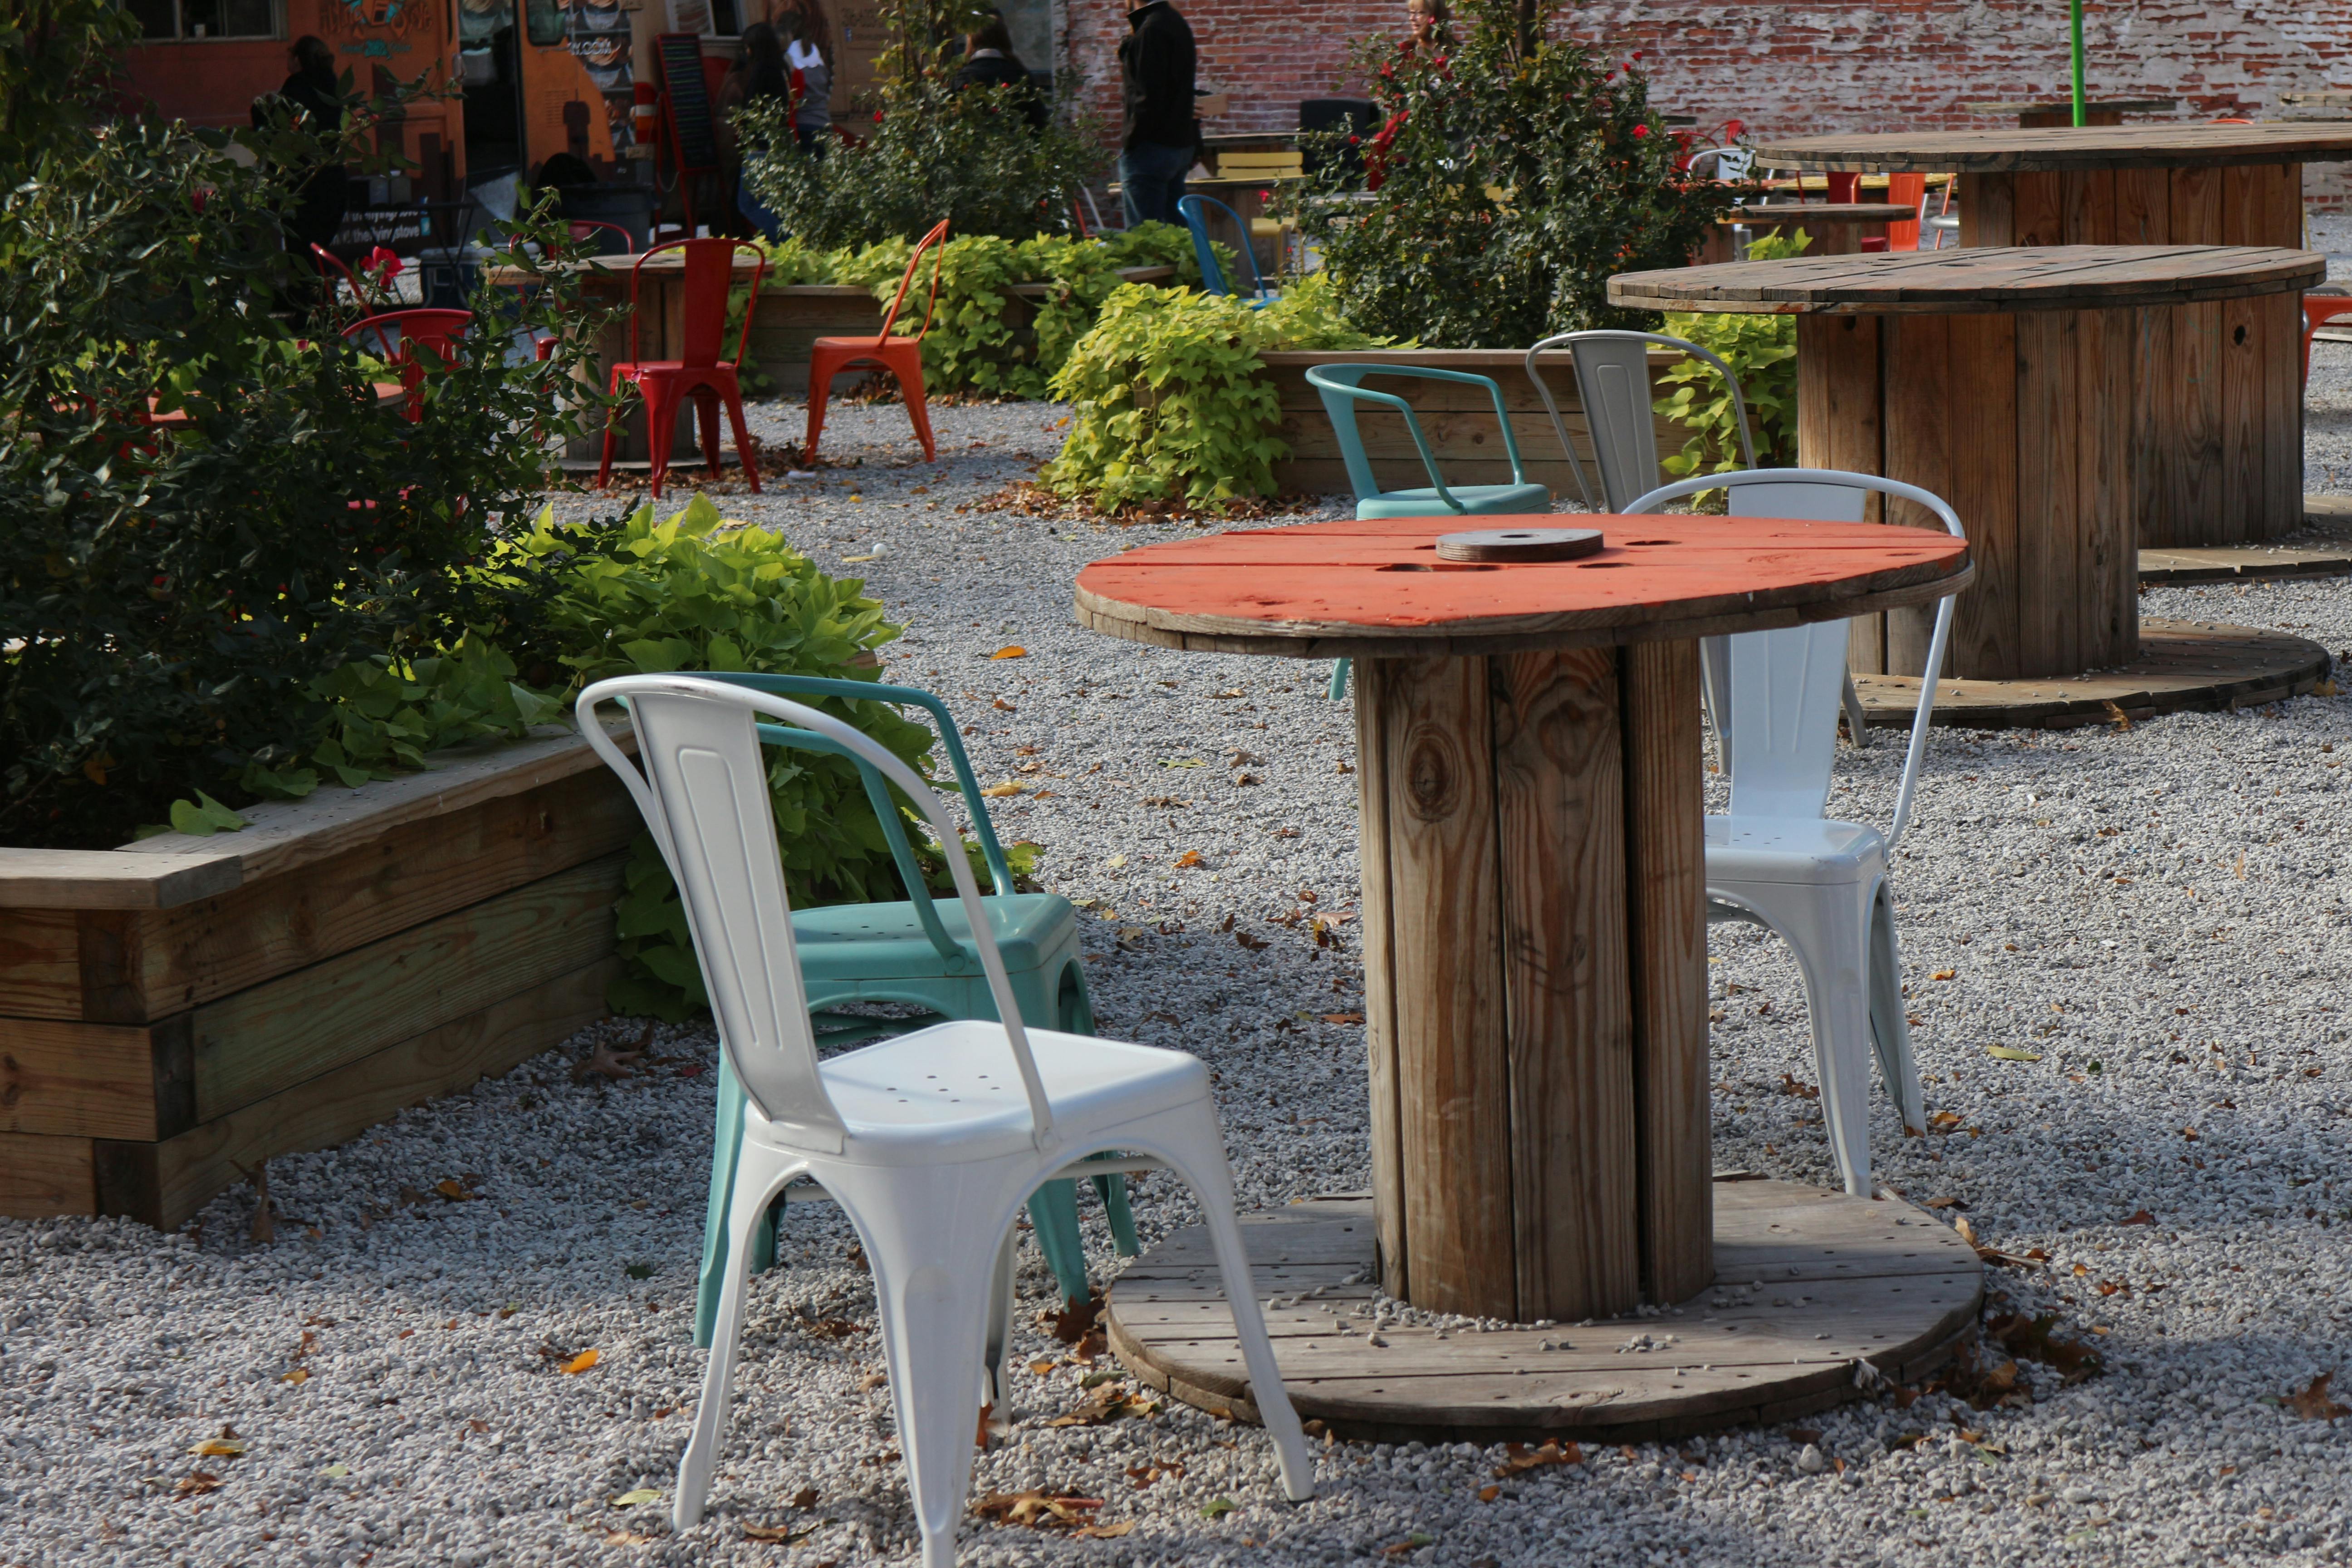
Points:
(1480, 501)
(886, 941)
(951, 1092)
(640, 369)
(1790, 849)
(866, 346)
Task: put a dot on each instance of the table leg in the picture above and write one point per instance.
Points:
(1534, 972)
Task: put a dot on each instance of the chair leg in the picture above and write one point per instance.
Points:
(911, 389)
(661, 432)
(760, 1174)
(706, 406)
(1053, 1211)
(1201, 1161)
(1835, 962)
(1714, 692)
(611, 435)
(993, 1389)
(1857, 718)
(1890, 1026)
(716, 1252)
(1339, 669)
(743, 444)
(819, 386)
(1122, 1215)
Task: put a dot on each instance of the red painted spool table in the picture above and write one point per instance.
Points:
(1535, 968)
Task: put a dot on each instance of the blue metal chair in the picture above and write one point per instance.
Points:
(1212, 276)
(916, 953)
(1339, 386)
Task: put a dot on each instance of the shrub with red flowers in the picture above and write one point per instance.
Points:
(1507, 182)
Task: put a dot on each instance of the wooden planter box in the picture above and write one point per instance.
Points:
(1458, 420)
(180, 1006)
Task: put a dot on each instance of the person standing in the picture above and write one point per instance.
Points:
(1157, 134)
(759, 74)
(989, 61)
(311, 100)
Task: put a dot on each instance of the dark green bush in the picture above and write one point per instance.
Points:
(1511, 182)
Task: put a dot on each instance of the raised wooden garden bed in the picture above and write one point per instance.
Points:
(1458, 420)
(178, 1007)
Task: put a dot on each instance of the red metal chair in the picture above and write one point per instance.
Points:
(437, 330)
(2318, 310)
(329, 263)
(1903, 191)
(662, 384)
(901, 356)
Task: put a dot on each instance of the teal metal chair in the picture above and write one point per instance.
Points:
(1341, 390)
(916, 953)
(1195, 213)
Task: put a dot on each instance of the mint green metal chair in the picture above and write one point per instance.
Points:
(1339, 386)
(916, 953)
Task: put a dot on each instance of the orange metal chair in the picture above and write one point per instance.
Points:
(436, 329)
(1906, 190)
(901, 356)
(2318, 310)
(699, 370)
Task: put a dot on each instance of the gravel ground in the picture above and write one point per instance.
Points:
(2152, 912)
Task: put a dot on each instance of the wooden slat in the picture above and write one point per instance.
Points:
(1370, 679)
(2065, 147)
(163, 1184)
(1975, 280)
(2107, 532)
(1987, 202)
(2049, 450)
(1839, 403)
(264, 1039)
(40, 964)
(2038, 210)
(1665, 926)
(2241, 347)
(2088, 197)
(1559, 831)
(114, 878)
(1445, 918)
(1919, 447)
(1980, 381)
(96, 1080)
(2143, 207)
(44, 1176)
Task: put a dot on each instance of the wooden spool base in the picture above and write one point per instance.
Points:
(1840, 1280)
(2324, 549)
(2181, 665)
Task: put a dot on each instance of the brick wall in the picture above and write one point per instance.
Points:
(1789, 69)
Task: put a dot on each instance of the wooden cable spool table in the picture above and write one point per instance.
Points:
(2033, 114)
(2012, 382)
(1535, 991)
(2218, 363)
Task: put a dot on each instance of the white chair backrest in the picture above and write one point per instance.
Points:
(704, 795)
(1613, 381)
(1786, 684)
(1729, 162)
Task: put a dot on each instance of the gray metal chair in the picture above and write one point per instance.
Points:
(1613, 381)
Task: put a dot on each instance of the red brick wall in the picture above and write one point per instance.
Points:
(1789, 68)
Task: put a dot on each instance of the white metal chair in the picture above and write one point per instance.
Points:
(1775, 860)
(1613, 381)
(930, 1141)
(1732, 164)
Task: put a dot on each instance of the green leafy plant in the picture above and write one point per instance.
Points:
(1170, 403)
(640, 595)
(1512, 175)
(170, 599)
(1761, 351)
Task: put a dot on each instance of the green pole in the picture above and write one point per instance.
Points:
(2075, 8)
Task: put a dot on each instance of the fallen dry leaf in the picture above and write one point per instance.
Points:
(1343, 1017)
(1790, 1084)
(1413, 1542)
(581, 1363)
(1105, 1532)
(1943, 1121)
(628, 1538)
(779, 1534)
(1110, 1404)
(1518, 1458)
(1945, 974)
(300, 1374)
(264, 1229)
(1012, 651)
(2011, 1054)
(1144, 1475)
(1251, 941)
(452, 1190)
(804, 1498)
(195, 1483)
(1006, 707)
(217, 1448)
(1010, 786)
(1036, 1511)
(1489, 1493)
(2142, 1218)
(2313, 1404)
(1187, 861)
(2031, 1339)
(605, 1062)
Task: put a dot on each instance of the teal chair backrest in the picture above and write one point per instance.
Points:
(1340, 387)
(1196, 211)
(877, 790)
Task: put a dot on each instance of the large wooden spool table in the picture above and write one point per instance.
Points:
(1535, 991)
(2036, 113)
(2213, 369)
(2009, 382)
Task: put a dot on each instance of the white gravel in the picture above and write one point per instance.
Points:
(2155, 912)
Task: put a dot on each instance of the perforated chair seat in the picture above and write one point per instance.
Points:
(1810, 850)
(886, 941)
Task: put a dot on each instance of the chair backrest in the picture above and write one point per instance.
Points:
(328, 261)
(1195, 213)
(937, 237)
(396, 335)
(1733, 165)
(703, 790)
(710, 278)
(597, 229)
(1613, 381)
(1906, 190)
(1786, 684)
(1341, 389)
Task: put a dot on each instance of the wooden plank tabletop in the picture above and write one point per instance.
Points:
(1378, 587)
(2018, 149)
(1976, 281)
(2066, 106)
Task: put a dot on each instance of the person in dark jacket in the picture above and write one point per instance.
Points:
(762, 73)
(1158, 135)
(989, 61)
(312, 100)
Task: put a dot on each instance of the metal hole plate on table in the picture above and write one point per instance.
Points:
(1519, 545)
(1808, 1283)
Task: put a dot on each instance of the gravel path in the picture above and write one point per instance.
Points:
(2155, 913)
